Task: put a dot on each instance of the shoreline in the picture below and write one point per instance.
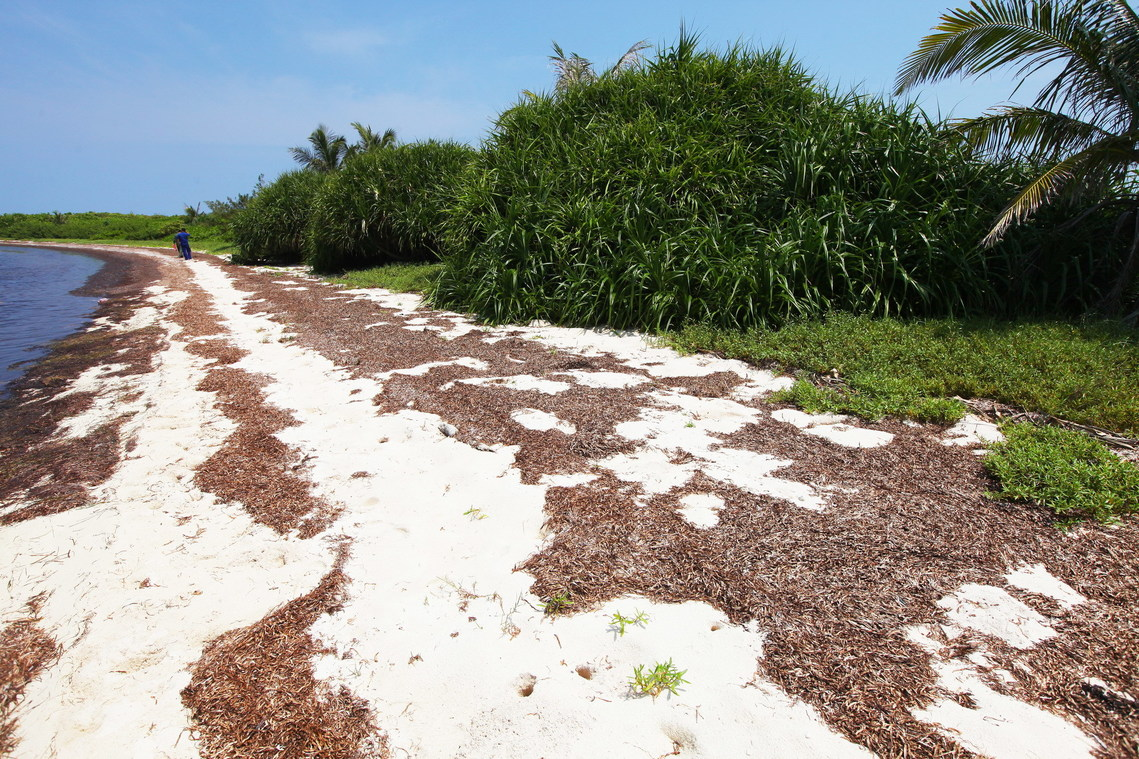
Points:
(114, 277)
(250, 483)
(119, 275)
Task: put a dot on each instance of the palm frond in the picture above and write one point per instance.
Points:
(303, 156)
(1125, 17)
(1088, 172)
(1018, 131)
(991, 34)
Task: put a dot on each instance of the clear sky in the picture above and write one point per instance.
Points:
(146, 106)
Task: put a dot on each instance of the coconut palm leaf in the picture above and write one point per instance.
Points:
(370, 139)
(1016, 131)
(992, 34)
(1084, 123)
(1088, 172)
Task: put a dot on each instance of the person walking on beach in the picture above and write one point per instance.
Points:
(182, 244)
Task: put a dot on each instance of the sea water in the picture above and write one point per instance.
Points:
(37, 306)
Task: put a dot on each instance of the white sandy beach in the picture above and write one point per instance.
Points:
(441, 632)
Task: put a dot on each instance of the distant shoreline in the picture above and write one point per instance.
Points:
(113, 275)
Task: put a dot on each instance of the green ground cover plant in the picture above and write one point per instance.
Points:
(732, 189)
(399, 278)
(1064, 470)
(385, 206)
(558, 603)
(1083, 372)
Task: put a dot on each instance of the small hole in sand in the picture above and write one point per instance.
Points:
(526, 685)
(585, 671)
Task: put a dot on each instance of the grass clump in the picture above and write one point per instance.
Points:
(274, 223)
(731, 189)
(1065, 470)
(619, 622)
(385, 206)
(1086, 373)
(399, 278)
(653, 682)
(558, 603)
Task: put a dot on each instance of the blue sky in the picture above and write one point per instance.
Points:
(146, 106)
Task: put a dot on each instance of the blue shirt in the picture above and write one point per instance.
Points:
(182, 239)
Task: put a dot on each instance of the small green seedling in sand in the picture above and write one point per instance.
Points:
(619, 622)
(556, 604)
(690, 424)
(661, 678)
(475, 512)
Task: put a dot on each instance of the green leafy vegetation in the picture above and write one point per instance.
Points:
(661, 678)
(273, 226)
(384, 206)
(873, 396)
(395, 277)
(1082, 128)
(1087, 373)
(558, 603)
(1066, 471)
(399, 278)
(107, 227)
(730, 189)
(327, 151)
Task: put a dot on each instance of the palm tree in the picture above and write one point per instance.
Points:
(327, 151)
(1083, 127)
(369, 140)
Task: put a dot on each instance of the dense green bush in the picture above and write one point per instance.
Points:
(385, 205)
(273, 225)
(730, 189)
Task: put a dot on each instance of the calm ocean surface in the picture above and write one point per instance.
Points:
(36, 306)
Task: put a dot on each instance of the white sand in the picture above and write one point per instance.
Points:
(440, 633)
(999, 725)
(139, 581)
(702, 509)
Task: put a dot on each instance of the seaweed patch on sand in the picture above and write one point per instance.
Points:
(253, 692)
(25, 651)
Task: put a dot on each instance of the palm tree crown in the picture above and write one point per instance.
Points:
(326, 154)
(1083, 127)
(370, 140)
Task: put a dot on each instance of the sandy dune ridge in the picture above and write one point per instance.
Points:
(343, 524)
